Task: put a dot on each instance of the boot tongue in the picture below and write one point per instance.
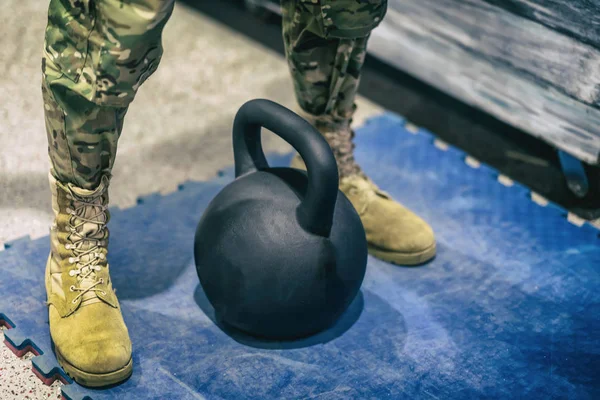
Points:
(90, 211)
(92, 231)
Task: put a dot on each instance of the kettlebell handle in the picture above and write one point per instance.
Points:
(315, 213)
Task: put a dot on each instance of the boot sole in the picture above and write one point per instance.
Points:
(406, 259)
(94, 380)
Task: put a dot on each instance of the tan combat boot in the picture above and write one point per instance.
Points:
(90, 337)
(394, 233)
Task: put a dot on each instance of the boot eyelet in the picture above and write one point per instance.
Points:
(72, 272)
(72, 288)
(101, 280)
(74, 301)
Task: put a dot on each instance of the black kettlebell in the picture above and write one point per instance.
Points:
(280, 254)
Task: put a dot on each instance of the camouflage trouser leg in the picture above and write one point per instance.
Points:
(97, 53)
(326, 45)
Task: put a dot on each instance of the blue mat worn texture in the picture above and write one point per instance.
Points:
(510, 307)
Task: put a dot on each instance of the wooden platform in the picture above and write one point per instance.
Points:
(532, 63)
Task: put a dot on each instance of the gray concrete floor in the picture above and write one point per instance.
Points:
(178, 128)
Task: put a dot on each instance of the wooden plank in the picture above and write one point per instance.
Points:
(492, 33)
(524, 73)
(579, 19)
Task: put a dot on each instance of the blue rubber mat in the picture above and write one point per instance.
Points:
(509, 307)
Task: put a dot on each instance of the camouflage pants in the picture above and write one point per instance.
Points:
(97, 54)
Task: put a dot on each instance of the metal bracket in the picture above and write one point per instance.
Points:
(575, 174)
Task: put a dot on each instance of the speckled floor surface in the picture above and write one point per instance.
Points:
(177, 129)
(17, 381)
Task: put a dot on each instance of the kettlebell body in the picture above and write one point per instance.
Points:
(268, 265)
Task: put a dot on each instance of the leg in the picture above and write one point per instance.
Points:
(326, 45)
(326, 75)
(325, 66)
(96, 55)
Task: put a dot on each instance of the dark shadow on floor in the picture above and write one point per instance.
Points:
(345, 322)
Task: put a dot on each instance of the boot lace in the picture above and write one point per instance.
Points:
(340, 136)
(85, 249)
(342, 144)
